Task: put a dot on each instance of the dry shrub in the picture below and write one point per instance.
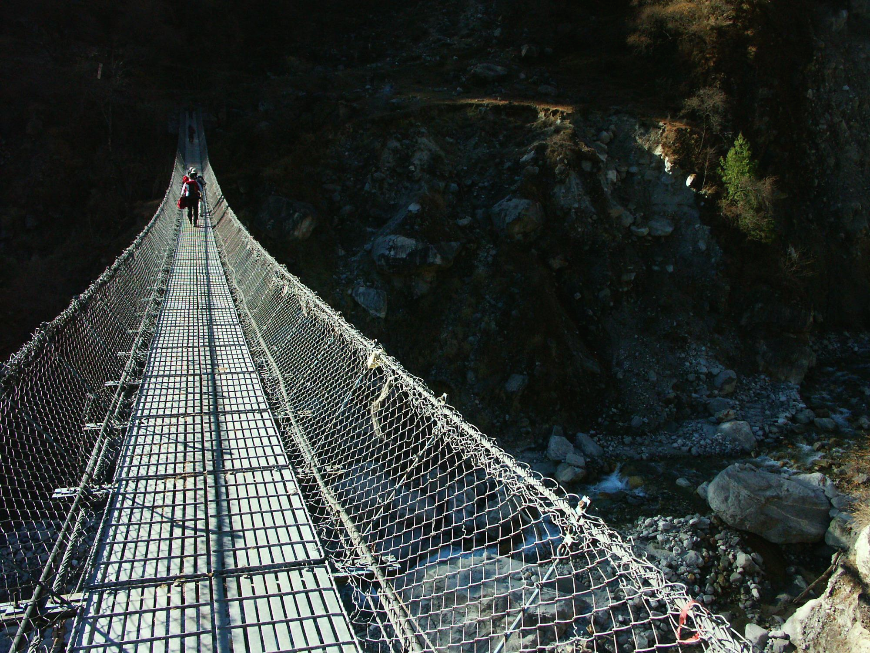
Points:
(694, 26)
(710, 106)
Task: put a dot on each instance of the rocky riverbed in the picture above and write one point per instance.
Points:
(747, 501)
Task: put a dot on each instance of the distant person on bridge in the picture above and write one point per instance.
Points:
(191, 192)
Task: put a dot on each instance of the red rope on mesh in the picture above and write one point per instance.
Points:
(684, 613)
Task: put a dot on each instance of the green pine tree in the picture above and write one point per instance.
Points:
(747, 198)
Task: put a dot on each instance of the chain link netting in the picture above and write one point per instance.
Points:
(441, 540)
(63, 402)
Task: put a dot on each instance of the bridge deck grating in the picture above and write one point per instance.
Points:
(207, 543)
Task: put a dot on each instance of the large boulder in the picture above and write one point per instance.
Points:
(517, 218)
(285, 217)
(779, 509)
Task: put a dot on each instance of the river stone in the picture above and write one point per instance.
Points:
(779, 509)
(717, 404)
(567, 474)
(576, 460)
(559, 448)
(739, 434)
(725, 381)
(588, 446)
(756, 635)
(693, 559)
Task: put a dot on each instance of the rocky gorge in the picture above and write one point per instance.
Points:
(527, 211)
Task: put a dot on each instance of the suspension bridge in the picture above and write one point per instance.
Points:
(199, 454)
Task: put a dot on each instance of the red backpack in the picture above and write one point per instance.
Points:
(189, 192)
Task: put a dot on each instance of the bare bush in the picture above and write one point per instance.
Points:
(694, 26)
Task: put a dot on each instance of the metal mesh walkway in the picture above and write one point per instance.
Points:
(206, 543)
(198, 449)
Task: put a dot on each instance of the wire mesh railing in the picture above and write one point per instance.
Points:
(443, 541)
(63, 398)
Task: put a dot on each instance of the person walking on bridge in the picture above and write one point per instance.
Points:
(191, 192)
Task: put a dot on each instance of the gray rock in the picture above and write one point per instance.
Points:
(567, 474)
(516, 383)
(684, 482)
(693, 559)
(725, 381)
(745, 562)
(718, 404)
(576, 460)
(786, 359)
(363, 488)
(605, 137)
(702, 490)
(756, 635)
(558, 448)
(399, 254)
(289, 218)
(739, 434)
(825, 424)
(862, 553)
(517, 218)
(488, 72)
(571, 195)
(777, 508)
(804, 416)
(819, 480)
(841, 502)
(462, 601)
(588, 446)
(778, 645)
(660, 227)
(371, 299)
(842, 532)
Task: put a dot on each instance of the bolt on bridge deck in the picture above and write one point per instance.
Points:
(207, 543)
